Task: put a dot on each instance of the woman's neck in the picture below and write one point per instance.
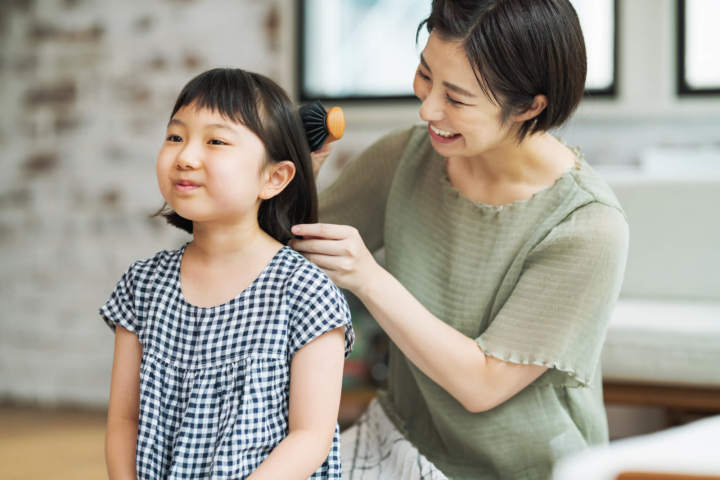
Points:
(539, 159)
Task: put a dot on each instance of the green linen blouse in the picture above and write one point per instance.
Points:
(534, 282)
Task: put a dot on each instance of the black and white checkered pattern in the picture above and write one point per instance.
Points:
(214, 382)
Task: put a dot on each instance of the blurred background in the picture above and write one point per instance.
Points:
(86, 87)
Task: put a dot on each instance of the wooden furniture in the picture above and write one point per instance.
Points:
(662, 476)
(705, 400)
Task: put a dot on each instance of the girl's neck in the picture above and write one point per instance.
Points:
(213, 244)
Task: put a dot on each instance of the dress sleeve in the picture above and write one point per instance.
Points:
(318, 307)
(559, 310)
(120, 308)
(359, 195)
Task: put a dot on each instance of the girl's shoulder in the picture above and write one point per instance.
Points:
(126, 305)
(316, 304)
(298, 279)
(146, 268)
(302, 274)
(306, 283)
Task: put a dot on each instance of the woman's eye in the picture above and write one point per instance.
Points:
(174, 138)
(216, 142)
(451, 101)
(420, 74)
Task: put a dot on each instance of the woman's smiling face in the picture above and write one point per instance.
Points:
(462, 120)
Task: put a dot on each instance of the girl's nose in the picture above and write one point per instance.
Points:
(187, 160)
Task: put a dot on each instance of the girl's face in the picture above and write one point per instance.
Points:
(462, 121)
(208, 168)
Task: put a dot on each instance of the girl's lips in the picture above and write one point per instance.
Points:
(441, 139)
(185, 187)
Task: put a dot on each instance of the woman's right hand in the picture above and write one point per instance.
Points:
(319, 156)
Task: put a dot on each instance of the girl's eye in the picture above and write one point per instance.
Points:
(174, 138)
(215, 141)
(452, 102)
(420, 74)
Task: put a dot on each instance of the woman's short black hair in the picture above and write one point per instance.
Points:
(255, 101)
(520, 49)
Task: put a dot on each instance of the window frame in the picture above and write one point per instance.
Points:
(683, 88)
(610, 92)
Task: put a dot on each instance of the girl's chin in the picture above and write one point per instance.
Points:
(186, 213)
(210, 217)
(187, 217)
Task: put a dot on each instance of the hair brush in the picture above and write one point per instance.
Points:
(321, 127)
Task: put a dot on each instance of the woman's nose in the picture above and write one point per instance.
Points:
(431, 109)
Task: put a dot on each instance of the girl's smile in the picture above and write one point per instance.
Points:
(186, 186)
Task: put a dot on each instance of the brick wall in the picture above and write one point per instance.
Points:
(86, 87)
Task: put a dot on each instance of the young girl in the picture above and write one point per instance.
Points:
(229, 350)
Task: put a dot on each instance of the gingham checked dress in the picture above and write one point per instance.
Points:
(214, 382)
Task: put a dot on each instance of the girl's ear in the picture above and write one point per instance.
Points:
(275, 178)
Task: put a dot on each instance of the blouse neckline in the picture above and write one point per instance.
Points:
(249, 288)
(489, 208)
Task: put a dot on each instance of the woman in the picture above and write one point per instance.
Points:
(505, 253)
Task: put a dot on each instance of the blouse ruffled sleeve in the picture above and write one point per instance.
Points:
(120, 308)
(559, 310)
(318, 307)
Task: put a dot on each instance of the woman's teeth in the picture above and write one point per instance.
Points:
(442, 133)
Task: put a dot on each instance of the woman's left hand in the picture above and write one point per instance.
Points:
(339, 251)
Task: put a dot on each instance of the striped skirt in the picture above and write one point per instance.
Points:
(373, 449)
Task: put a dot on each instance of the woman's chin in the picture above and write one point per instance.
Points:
(446, 149)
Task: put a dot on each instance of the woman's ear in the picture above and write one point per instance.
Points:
(538, 105)
(275, 178)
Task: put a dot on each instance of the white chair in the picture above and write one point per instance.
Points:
(689, 452)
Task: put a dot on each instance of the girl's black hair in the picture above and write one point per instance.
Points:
(255, 101)
(520, 49)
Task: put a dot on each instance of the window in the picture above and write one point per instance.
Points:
(365, 49)
(598, 19)
(698, 47)
(359, 48)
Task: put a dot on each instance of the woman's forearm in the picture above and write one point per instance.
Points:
(451, 359)
(120, 445)
(297, 456)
